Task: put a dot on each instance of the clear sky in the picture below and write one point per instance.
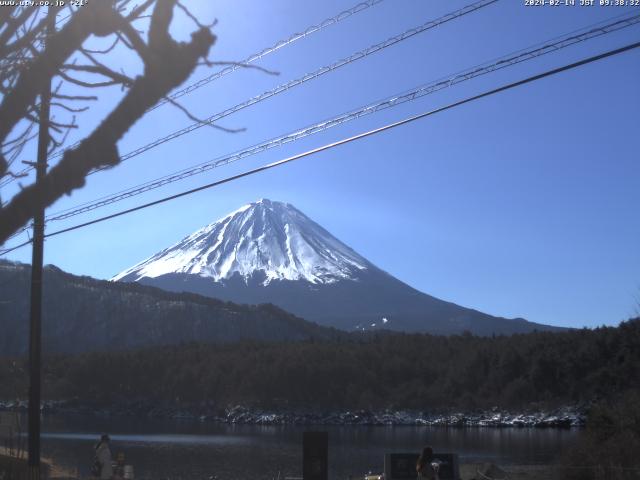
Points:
(525, 204)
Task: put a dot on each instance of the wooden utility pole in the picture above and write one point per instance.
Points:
(35, 319)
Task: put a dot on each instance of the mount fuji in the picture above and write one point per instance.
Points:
(270, 252)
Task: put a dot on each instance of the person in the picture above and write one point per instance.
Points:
(426, 466)
(103, 458)
(118, 471)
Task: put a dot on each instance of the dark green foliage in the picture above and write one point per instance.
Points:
(376, 371)
(611, 442)
(83, 314)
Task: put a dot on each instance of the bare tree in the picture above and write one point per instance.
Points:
(28, 62)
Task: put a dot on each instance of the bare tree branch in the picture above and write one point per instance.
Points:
(6, 13)
(59, 47)
(82, 83)
(106, 50)
(159, 28)
(134, 42)
(13, 24)
(139, 10)
(69, 109)
(100, 70)
(206, 123)
(17, 175)
(167, 65)
(194, 19)
(74, 97)
(209, 63)
(29, 36)
(55, 143)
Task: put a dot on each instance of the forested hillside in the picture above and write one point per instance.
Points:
(384, 370)
(83, 314)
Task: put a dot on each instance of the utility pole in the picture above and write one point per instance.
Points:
(35, 319)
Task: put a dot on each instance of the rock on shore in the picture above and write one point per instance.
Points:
(564, 417)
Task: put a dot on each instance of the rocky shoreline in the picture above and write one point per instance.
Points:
(564, 417)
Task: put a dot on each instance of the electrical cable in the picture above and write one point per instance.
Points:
(353, 138)
(389, 102)
(286, 86)
(251, 58)
(277, 46)
(305, 78)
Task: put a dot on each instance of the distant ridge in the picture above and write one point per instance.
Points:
(83, 314)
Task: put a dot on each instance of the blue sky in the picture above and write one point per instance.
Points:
(524, 204)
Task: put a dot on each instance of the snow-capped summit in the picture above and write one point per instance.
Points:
(271, 240)
(270, 252)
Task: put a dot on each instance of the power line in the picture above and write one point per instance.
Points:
(369, 133)
(9, 250)
(232, 68)
(277, 46)
(307, 77)
(572, 38)
(310, 76)
(20, 231)
(287, 86)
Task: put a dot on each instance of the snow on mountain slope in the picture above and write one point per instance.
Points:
(269, 252)
(265, 236)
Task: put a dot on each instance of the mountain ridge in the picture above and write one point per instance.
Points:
(82, 314)
(269, 251)
(295, 247)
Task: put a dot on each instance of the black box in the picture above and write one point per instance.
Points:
(315, 455)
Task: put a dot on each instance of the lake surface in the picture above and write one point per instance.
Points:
(188, 449)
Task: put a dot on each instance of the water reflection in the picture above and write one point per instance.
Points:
(192, 449)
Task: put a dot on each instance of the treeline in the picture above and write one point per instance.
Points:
(383, 370)
(609, 447)
(82, 314)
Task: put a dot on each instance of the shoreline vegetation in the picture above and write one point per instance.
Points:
(606, 448)
(584, 379)
(534, 372)
(564, 417)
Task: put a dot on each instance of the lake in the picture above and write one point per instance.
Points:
(189, 449)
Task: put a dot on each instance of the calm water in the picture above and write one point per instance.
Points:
(176, 449)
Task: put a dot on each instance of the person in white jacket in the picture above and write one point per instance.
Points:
(103, 455)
